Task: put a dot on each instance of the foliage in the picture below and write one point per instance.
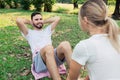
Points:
(16, 3)
(2, 4)
(111, 2)
(81, 1)
(38, 4)
(74, 1)
(61, 10)
(15, 54)
(71, 1)
(64, 1)
(48, 5)
(9, 3)
(25, 4)
(78, 1)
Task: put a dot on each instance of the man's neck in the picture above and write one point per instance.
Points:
(37, 29)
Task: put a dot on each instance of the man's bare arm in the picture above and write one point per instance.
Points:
(22, 25)
(54, 21)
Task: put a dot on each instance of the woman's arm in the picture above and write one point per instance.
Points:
(74, 70)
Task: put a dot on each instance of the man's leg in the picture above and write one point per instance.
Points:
(47, 54)
(64, 50)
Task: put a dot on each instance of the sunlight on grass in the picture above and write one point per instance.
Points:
(9, 20)
(66, 6)
(110, 9)
(5, 19)
(70, 8)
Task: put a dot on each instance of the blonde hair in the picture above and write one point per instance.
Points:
(96, 13)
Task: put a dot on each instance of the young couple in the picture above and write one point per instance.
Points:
(100, 53)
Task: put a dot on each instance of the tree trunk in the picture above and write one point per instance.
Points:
(47, 7)
(16, 5)
(75, 4)
(116, 14)
(2, 4)
(116, 11)
(62, 1)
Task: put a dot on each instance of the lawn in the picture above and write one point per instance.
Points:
(15, 54)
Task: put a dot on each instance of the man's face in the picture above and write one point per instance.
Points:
(37, 21)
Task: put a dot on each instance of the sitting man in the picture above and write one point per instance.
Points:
(44, 56)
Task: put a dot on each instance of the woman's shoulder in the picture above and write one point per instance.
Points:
(84, 41)
(85, 44)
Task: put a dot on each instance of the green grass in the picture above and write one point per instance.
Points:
(15, 54)
(13, 47)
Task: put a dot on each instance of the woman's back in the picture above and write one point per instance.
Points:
(101, 52)
(104, 60)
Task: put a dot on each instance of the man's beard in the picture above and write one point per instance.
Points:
(38, 26)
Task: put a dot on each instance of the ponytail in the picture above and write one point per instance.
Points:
(96, 13)
(114, 34)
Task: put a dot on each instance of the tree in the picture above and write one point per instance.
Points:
(48, 5)
(64, 1)
(116, 14)
(2, 4)
(25, 4)
(75, 3)
(16, 2)
(38, 4)
(9, 2)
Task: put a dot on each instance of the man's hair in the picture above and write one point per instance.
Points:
(34, 13)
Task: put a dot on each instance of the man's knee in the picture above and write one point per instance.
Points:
(47, 52)
(65, 45)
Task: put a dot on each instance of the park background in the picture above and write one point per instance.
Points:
(15, 54)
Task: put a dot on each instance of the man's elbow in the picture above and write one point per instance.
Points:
(58, 18)
(18, 20)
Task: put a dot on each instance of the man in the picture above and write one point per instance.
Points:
(45, 57)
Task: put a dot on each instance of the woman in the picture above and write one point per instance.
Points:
(100, 53)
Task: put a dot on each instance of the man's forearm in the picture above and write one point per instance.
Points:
(24, 21)
(52, 19)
